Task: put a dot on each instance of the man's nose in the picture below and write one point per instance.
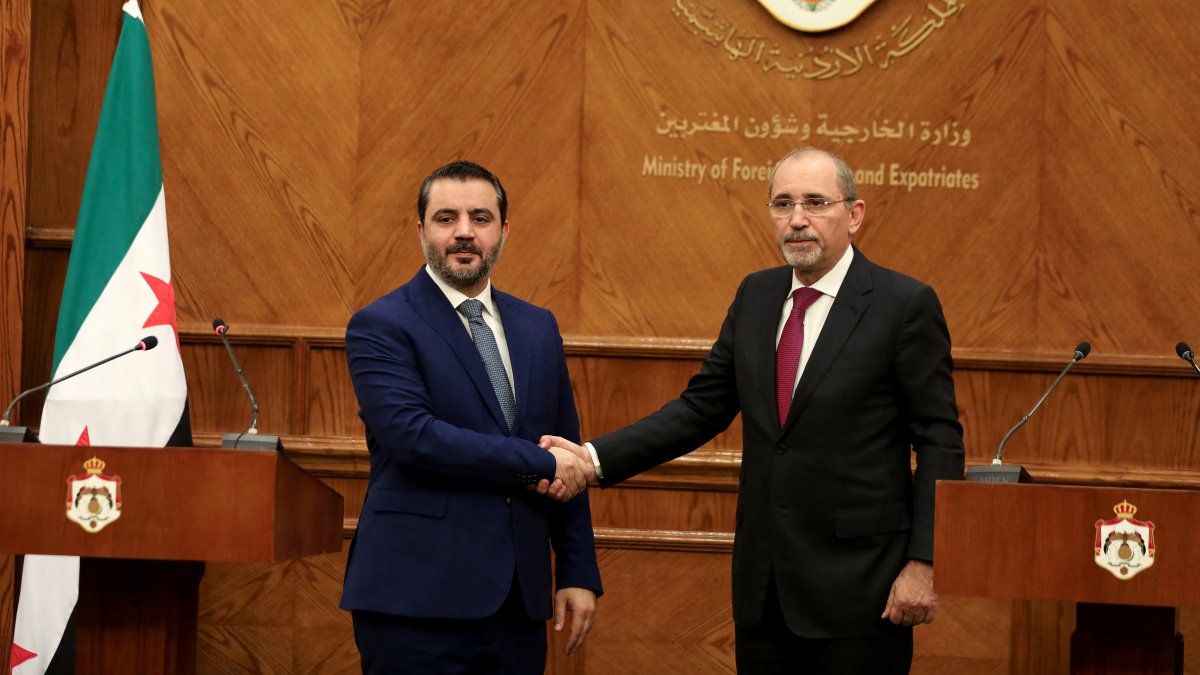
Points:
(463, 228)
(798, 220)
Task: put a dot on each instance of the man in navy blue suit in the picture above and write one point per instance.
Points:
(449, 570)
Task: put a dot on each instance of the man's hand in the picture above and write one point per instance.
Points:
(579, 451)
(559, 490)
(581, 603)
(570, 477)
(912, 600)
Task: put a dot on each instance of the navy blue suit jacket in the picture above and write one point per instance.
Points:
(447, 523)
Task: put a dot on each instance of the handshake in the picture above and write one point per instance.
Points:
(572, 471)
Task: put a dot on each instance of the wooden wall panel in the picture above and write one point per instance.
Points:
(332, 406)
(662, 612)
(1117, 103)
(14, 157)
(72, 43)
(275, 618)
(473, 91)
(652, 65)
(46, 267)
(620, 390)
(294, 138)
(273, 222)
(320, 161)
(697, 511)
(221, 405)
(1091, 420)
(970, 635)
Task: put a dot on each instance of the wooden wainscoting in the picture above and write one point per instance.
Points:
(665, 537)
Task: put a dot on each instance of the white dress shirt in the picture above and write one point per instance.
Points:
(818, 311)
(490, 316)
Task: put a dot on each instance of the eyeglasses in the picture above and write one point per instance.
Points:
(783, 208)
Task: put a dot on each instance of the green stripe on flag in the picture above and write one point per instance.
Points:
(123, 180)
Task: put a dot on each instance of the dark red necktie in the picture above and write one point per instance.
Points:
(791, 343)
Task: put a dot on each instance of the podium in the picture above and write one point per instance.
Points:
(1041, 542)
(179, 508)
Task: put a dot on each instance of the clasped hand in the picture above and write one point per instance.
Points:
(573, 469)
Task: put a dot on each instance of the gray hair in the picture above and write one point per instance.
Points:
(845, 175)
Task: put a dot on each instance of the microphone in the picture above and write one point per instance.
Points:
(11, 434)
(1185, 352)
(248, 439)
(998, 472)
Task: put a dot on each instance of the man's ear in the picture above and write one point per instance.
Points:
(857, 212)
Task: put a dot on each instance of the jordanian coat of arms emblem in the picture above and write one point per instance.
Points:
(1124, 545)
(93, 499)
(814, 16)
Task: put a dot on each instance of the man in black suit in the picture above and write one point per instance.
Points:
(841, 370)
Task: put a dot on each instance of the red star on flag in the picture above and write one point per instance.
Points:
(84, 438)
(164, 313)
(19, 655)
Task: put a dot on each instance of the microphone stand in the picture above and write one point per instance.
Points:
(11, 434)
(249, 439)
(997, 471)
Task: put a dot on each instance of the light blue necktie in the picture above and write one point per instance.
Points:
(485, 342)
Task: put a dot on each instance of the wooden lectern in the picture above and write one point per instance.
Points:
(1039, 542)
(179, 507)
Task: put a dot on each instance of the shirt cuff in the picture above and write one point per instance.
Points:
(595, 460)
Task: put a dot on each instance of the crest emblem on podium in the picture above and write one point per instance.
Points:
(93, 499)
(1124, 545)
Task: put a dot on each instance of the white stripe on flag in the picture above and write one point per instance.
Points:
(49, 590)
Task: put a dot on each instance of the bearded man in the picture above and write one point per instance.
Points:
(450, 568)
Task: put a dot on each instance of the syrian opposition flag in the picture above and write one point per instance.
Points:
(117, 291)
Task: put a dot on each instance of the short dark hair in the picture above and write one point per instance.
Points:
(462, 171)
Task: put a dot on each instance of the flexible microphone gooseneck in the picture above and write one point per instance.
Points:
(221, 328)
(144, 345)
(1081, 350)
(997, 471)
(250, 438)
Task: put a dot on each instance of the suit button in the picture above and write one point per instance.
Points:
(508, 501)
(780, 449)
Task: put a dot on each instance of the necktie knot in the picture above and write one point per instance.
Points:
(802, 298)
(471, 308)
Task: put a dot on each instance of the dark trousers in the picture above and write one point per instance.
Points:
(507, 643)
(770, 648)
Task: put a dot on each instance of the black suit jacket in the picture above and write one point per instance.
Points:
(829, 503)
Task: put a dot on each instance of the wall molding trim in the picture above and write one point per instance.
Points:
(709, 469)
(613, 346)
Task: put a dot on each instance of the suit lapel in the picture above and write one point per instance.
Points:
(431, 304)
(852, 301)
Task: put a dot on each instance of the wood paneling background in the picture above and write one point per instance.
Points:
(14, 155)
(294, 136)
